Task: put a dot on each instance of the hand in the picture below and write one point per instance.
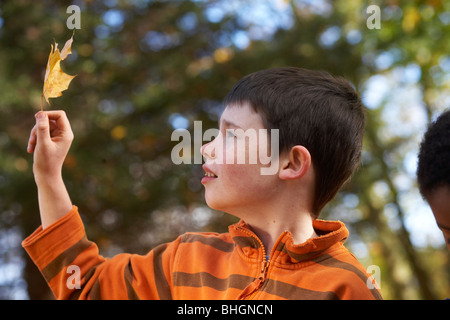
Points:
(50, 140)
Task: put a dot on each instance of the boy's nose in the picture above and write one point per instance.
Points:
(208, 151)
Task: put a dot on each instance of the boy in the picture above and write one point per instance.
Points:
(279, 249)
(433, 171)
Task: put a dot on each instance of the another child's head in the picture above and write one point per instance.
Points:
(433, 171)
(312, 109)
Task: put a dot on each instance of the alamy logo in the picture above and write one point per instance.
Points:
(374, 20)
(236, 146)
(74, 280)
(74, 20)
(374, 281)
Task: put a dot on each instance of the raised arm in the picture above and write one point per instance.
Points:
(69, 262)
(50, 140)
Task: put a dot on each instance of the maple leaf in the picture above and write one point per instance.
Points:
(55, 80)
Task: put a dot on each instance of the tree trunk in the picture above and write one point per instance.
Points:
(421, 274)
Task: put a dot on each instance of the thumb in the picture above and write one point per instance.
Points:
(43, 127)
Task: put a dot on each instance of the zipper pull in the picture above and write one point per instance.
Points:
(264, 268)
(250, 290)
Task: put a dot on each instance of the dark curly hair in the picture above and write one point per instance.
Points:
(433, 169)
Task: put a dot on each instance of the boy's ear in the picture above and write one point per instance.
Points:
(295, 164)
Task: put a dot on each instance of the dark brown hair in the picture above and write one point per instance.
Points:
(313, 109)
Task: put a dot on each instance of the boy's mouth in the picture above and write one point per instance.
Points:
(209, 175)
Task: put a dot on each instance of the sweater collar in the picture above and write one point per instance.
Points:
(285, 251)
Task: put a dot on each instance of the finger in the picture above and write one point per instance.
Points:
(53, 128)
(33, 136)
(32, 140)
(59, 118)
(42, 128)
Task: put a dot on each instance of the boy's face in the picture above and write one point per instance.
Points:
(238, 183)
(440, 205)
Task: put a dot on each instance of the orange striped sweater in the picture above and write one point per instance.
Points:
(201, 266)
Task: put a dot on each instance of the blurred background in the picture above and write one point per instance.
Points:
(146, 68)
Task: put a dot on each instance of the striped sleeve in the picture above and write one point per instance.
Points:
(74, 269)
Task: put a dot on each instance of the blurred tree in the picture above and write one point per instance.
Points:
(146, 68)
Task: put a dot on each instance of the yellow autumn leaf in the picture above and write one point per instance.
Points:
(55, 80)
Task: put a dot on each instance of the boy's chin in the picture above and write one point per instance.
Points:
(215, 204)
(222, 207)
